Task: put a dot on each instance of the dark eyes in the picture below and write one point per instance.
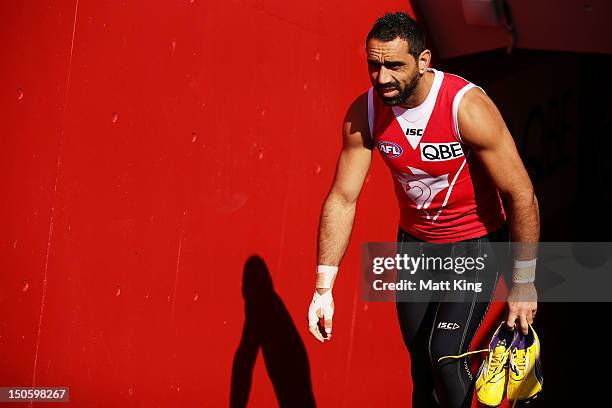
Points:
(375, 64)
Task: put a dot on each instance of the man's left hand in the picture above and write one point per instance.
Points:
(522, 306)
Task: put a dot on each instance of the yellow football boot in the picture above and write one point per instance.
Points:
(492, 376)
(525, 371)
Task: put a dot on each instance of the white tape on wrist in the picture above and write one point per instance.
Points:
(325, 303)
(524, 271)
(326, 275)
(524, 264)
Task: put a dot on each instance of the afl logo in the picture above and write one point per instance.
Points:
(390, 149)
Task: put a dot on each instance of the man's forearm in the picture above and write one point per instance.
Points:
(335, 228)
(524, 219)
(525, 234)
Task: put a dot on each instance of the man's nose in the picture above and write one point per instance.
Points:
(384, 76)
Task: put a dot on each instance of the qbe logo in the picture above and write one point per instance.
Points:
(390, 149)
(440, 151)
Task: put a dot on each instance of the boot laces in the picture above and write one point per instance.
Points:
(519, 360)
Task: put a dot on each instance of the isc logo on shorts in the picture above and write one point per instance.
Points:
(440, 151)
(390, 149)
(448, 326)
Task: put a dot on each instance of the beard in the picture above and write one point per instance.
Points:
(403, 93)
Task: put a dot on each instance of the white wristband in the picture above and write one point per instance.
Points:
(524, 271)
(326, 274)
(524, 264)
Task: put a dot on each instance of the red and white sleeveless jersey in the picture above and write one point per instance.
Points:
(444, 192)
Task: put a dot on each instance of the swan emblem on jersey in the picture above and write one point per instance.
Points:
(422, 187)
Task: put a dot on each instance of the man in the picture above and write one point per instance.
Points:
(450, 155)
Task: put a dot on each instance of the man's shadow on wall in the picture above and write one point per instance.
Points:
(269, 326)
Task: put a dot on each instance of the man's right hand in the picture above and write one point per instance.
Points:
(321, 307)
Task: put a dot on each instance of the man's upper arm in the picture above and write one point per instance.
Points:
(482, 127)
(356, 154)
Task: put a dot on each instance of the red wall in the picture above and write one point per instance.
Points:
(148, 150)
(568, 25)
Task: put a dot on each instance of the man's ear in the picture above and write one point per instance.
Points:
(424, 60)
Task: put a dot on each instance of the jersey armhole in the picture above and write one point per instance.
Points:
(371, 112)
(456, 102)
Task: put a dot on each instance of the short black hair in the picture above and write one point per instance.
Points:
(399, 25)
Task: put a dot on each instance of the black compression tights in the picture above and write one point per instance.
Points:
(445, 322)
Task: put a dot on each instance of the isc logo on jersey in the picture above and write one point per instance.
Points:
(390, 149)
(440, 151)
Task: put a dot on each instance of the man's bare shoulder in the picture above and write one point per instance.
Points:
(356, 120)
(359, 107)
(480, 122)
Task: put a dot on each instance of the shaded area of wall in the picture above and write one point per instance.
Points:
(556, 107)
(461, 27)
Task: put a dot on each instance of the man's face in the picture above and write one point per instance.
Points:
(393, 71)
